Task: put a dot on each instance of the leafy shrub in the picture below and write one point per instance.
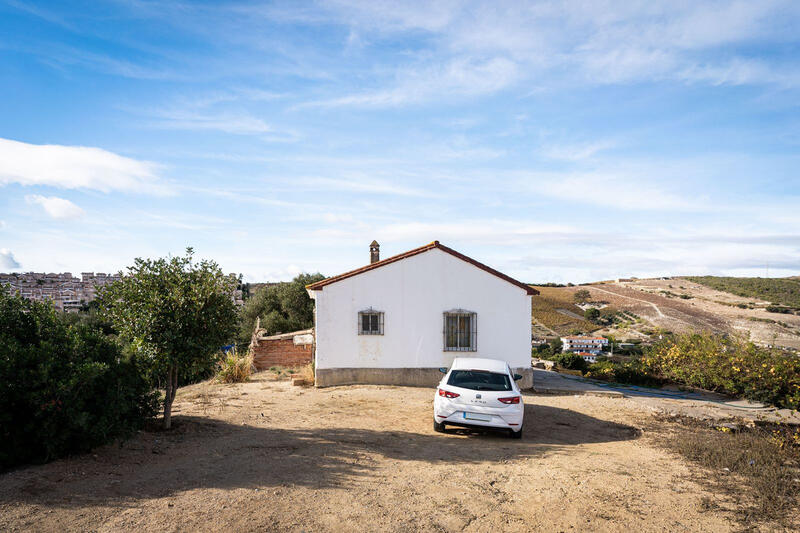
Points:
(63, 388)
(234, 368)
(630, 372)
(569, 361)
(728, 365)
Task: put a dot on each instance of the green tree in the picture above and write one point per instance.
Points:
(175, 312)
(556, 346)
(591, 314)
(282, 307)
(582, 296)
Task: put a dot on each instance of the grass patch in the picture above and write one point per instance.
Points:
(757, 468)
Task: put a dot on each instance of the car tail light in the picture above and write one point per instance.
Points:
(448, 394)
(509, 400)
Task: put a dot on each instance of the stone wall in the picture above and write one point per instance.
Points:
(414, 377)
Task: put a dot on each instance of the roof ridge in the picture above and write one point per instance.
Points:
(415, 251)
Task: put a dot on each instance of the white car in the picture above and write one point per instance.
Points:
(479, 393)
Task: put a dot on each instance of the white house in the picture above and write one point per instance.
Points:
(398, 320)
(592, 345)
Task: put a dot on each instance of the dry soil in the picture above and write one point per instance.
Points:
(267, 456)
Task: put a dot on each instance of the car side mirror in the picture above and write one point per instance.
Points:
(443, 370)
(517, 377)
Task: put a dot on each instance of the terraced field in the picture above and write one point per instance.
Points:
(647, 307)
(555, 309)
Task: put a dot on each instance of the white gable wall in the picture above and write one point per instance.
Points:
(413, 293)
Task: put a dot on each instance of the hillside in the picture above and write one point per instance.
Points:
(640, 309)
(555, 313)
(783, 291)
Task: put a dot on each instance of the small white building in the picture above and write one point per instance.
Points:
(397, 321)
(582, 343)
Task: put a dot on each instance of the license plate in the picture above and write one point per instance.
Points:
(475, 416)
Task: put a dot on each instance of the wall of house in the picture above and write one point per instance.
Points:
(413, 294)
(280, 352)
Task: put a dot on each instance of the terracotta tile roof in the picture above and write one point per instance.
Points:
(416, 251)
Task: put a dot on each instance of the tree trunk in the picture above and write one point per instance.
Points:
(172, 384)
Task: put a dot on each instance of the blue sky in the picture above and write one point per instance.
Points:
(556, 141)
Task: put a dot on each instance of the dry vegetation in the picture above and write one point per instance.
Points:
(235, 368)
(555, 309)
(753, 471)
(783, 291)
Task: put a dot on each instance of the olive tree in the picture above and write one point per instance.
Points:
(582, 296)
(175, 312)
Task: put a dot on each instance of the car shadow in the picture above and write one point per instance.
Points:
(546, 425)
(202, 452)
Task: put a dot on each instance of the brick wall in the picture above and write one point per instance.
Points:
(280, 352)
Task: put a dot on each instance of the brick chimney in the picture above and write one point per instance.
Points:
(374, 252)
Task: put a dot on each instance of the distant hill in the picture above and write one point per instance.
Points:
(783, 291)
(647, 308)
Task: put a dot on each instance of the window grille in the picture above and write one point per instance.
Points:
(370, 322)
(460, 331)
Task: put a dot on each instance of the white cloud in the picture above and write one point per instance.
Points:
(485, 46)
(224, 122)
(7, 259)
(359, 185)
(575, 152)
(75, 167)
(58, 208)
(478, 231)
(608, 190)
(458, 77)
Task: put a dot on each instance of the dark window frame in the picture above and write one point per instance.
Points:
(375, 322)
(460, 331)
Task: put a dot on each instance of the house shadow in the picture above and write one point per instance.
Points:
(206, 453)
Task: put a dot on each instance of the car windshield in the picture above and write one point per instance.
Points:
(479, 380)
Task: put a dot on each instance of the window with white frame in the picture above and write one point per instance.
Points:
(370, 322)
(460, 331)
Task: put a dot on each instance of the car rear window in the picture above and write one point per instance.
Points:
(479, 380)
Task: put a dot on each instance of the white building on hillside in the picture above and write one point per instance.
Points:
(592, 345)
(398, 320)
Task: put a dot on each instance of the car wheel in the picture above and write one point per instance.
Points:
(516, 434)
(437, 427)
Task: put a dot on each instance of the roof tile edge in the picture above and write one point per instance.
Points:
(318, 286)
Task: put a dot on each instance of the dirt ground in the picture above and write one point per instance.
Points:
(267, 456)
